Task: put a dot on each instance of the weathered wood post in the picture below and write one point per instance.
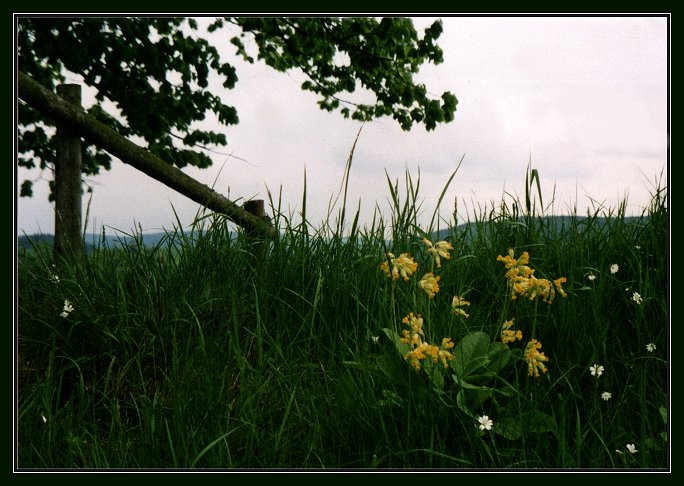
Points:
(256, 208)
(68, 240)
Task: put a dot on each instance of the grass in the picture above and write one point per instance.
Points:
(218, 350)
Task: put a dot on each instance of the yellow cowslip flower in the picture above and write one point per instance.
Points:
(421, 350)
(558, 282)
(429, 283)
(545, 289)
(403, 266)
(522, 281)
(517, 269)
(433, 351)
(442, 352)
(415, 363)
(445, 356)
(535, 359)
(414, 322)
(412, 340)
(508, 335)
(539, 287)
(413, 337)
(418, 354)
(414, 358)
(456, 304)
(438, 251)
(514, 273)
(459, 301)
(510, 261)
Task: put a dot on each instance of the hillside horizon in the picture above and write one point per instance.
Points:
(119, 240)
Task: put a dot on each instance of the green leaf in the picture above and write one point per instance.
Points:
(498, 355)
(390, 399)
(469, 400)
(477, 361)
(472, 348)
(467, 385)
(26, 189)
(663, 414)
(403, 348)
(434, 373)
(510, 428)
(437, 380)
(534, 421)
(462, 405)
(391, 367)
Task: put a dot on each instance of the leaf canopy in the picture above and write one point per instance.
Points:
(156, 71)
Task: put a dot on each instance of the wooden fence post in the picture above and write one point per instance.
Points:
(68, 241)
(256, 208)
(97, 133)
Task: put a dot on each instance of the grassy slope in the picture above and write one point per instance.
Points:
(235, 353)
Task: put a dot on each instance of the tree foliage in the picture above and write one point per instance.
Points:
(156, 71)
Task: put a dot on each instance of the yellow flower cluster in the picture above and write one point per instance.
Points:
(438, 251)
(421, 350)
(403, 266)
(456, 304)
(429, 283)
(523, 282)
(508, 335)
(535, 359)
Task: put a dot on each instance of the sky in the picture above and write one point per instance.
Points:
(583, 99)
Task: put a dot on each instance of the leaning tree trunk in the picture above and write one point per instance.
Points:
(77, 120)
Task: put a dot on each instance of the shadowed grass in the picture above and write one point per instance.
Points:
(214, 349)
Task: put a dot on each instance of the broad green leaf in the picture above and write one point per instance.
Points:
(476, 360)
(462, 405)
(403, 348)
(390, 366)
(467, 385)
(472, 347)
(498, 355)
(469, 400)
(390, 398)
(437, 379)
(508, 427)
(533, 421)
(663, 414)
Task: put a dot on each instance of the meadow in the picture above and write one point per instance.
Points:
(516, 341)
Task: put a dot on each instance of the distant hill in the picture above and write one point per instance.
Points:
(555, 223)
(93, 241)
(152, 239)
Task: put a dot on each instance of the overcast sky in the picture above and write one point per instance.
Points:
(584, 97)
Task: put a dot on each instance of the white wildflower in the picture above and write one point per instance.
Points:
(596, 370)
(485, 422)
(68, 309)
